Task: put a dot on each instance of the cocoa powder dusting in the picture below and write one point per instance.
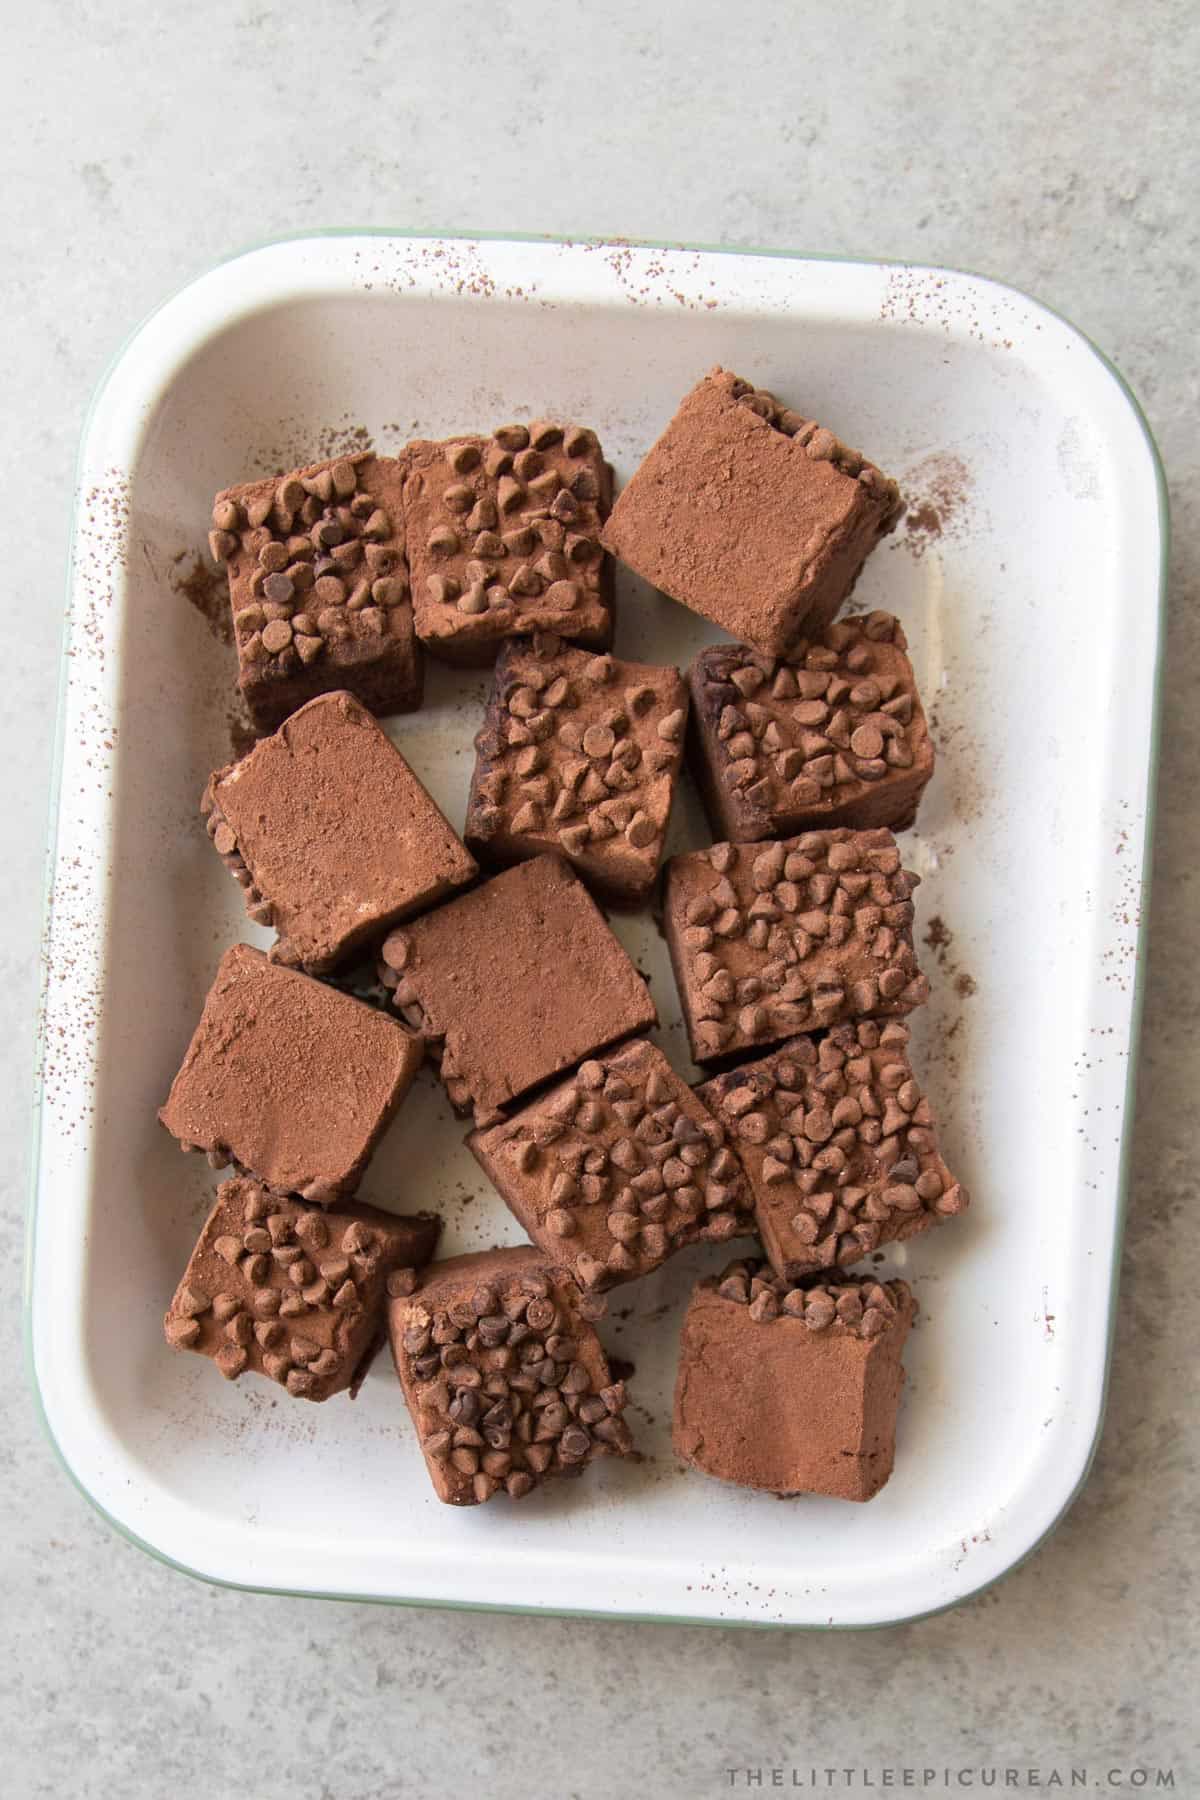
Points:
(938, 938)
(293, 445)
(924, 521)
(938, 492)
(73, 941)
(207, 589)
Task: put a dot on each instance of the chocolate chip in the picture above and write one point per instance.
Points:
(278, 589)
(542, 490)
(543, 433)
(463, 457)
(820, 1311)
(389, 590)
(541, 1314)
(465, 1407)
(764, 1307)
(526, 464)
(590, 1271)
(483, 1301)
(191, 1302)
(598, 741)
(231, 1359)
(459, 497)
(615, 1434)
(258, 509)
(509, 494)
(551, 567)
(330, 590)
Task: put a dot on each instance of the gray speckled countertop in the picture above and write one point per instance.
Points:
(1041, 144)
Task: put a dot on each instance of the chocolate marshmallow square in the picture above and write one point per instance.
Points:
(769, 940)
(832, 733)
(289, 1079)
(750, 514)
(792, 1390)
(330, 834)
(513, 983)
(839, 1145)
(579, 754)
(288, 1291)
(507, 1383)
(504, 538)
(319, 587)
(618, 1167)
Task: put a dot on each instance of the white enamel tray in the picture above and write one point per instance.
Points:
(1028, 579)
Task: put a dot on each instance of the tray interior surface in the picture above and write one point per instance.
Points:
(1024, 580)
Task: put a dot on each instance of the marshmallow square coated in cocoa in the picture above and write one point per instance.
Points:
(750, 514)
(833, 733)
(514, 982)
(615, 1169)
(507, 1383)
(278, 1288)
(580, 754)
(839, 1145)
(318, 586)
(504, 538)
(768, 940)
(791, 1390)
(289, 1079)
(331, 834)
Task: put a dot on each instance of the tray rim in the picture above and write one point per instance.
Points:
(463, 239)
